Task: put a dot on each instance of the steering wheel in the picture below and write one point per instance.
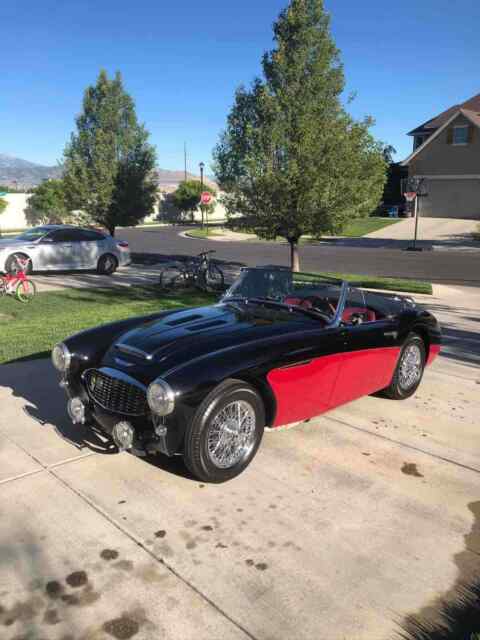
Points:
(319, 304)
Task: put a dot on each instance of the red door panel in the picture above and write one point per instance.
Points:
(305, 390)
(363, 372)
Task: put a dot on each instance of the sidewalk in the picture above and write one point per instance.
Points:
(433, 234)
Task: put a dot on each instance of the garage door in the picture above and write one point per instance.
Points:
(452, 199)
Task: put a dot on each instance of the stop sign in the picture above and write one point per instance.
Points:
(206, 198)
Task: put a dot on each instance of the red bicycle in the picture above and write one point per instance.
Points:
(16, 283)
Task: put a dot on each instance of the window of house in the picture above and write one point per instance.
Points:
(419, 140)
(460, 134)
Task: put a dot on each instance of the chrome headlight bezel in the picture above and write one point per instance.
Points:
(161, 398)
(61, 357)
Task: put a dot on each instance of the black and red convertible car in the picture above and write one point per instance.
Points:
(276, 349)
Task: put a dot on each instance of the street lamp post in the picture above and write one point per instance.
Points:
(202, 167)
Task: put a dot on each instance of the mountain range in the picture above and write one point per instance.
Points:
(22, 174)
(18, 173)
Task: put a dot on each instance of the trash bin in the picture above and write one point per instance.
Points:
(393, 212)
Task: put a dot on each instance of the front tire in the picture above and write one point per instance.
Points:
(26, 290)
(225, 433)
(107, 265)
(409, 371)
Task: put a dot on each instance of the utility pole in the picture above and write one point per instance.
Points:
(202, 167)
(185, 158)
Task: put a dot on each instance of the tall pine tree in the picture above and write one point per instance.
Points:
(109, 162)
(291, 160)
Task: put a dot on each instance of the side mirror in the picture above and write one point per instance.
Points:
(46, 240)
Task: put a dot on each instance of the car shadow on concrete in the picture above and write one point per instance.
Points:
(45, 403)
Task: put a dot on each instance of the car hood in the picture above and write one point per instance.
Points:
(184, 335)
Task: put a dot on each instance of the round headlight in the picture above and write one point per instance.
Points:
(160, 397)
(61, 357)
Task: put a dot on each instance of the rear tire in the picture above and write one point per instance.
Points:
(107, 265)
(11, 263)
(212, 279)
(225, 433)
(409, 371)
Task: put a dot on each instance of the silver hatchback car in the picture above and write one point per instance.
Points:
(64, 248)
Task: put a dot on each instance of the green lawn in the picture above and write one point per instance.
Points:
(362, 226)
(378, 282)
(202, 233)
(31, 330)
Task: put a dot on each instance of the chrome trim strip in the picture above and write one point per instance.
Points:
(126, 348)
(337, 319)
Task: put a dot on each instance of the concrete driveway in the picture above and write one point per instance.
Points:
(341, 528)
(440, 232)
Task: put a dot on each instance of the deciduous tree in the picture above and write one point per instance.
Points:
(291, 159)
(47, 204)
(187, 197)
(109, 162)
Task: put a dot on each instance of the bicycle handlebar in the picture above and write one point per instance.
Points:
(205, 253)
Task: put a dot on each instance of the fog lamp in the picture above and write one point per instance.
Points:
(76, 411)
(123, 434)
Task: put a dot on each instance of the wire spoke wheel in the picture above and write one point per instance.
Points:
(25, 290)
(231, 434)
(410, 366)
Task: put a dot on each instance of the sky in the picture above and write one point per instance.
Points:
(182, 60)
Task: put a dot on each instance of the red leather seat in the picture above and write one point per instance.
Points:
(368, 314)
(298, 302)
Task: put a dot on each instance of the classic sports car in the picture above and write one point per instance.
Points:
(278, 348)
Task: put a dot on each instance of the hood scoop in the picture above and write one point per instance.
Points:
(207, 325)
(184, 320)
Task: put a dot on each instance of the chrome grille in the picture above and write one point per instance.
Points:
(116, 392)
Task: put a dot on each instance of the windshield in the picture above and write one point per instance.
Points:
(34, 234)
(305, 292)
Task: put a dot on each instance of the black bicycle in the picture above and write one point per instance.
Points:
(199, 272)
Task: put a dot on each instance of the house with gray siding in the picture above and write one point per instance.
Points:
(446, 152)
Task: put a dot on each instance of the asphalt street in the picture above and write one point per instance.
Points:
(441, 266)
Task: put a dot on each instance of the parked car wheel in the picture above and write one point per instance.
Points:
(11, 263)
(409, 371)
(107, 264)
(225, 433)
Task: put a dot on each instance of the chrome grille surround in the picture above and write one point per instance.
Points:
(116, 392)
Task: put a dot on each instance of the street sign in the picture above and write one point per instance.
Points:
(206, 198)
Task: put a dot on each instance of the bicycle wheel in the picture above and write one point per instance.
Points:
(174, 278)
(25, 290)
(214, 278)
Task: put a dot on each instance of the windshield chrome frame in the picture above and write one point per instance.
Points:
(337, 318)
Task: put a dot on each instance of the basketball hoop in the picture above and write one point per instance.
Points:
(410, 196)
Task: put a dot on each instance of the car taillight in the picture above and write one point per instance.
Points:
(123, 244)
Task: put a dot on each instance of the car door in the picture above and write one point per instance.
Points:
(304, 384)
(90, 247)
(59, 250)
(370, 349)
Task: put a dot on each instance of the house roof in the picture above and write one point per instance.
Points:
(473, 116)
(472, 104)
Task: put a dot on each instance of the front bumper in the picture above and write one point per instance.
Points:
(149, 437)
